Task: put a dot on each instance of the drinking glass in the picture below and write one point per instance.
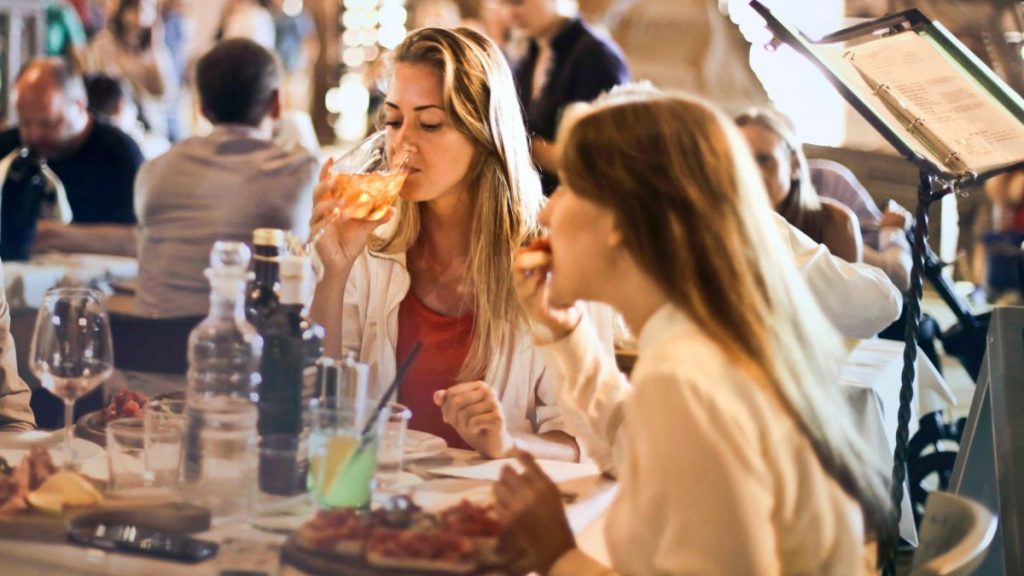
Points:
(71, 351)
(165, 427)
(392, 443)
(126, 455)
(367, 180)
(341, 464)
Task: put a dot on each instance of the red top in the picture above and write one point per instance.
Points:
(445, 343)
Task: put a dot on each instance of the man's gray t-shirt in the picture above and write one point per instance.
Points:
(216, 187)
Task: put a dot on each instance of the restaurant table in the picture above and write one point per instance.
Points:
(245, 549)
(26, 282)
(870, 380)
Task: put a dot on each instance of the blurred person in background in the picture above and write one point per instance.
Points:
(566, 62)
(250, 19)
(884, 233)
(220, 186)
(296, 44)
(111, 101)
(94, 162)
(65, 34)
(732, 445)
(780, 156)
(1003, 243)
(132, 47)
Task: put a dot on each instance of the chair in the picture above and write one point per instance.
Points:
(156, 345)
(955, 536)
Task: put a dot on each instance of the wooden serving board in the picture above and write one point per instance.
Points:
(327, 564)
(170, 516)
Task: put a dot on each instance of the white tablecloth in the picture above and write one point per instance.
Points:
(26, 282)
(871, 379)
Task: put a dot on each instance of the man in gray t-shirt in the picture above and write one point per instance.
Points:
(221, 186)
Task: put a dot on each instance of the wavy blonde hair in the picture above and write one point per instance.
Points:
(693, 212)
(480, 100)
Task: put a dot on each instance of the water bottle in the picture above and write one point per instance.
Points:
(219, 454)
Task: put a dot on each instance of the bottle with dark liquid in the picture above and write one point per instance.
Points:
(291, 346)
(262, 295)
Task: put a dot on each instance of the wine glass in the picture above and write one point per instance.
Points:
(71, 350)
(367, 180)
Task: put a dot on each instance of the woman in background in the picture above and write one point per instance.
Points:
(131, 48)
(734, 452)
(787, 179)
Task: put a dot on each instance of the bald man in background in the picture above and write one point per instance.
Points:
(96, 164)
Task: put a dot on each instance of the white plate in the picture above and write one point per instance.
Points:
(15, 445)
(422, 445)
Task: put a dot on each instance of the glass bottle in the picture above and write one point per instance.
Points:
(262, 294)
(219, 448)
(291, 346)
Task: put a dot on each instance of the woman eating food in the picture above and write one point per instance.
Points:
(437, 268)
(733, 451)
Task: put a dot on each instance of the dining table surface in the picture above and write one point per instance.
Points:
(434, 483)
(869, 380)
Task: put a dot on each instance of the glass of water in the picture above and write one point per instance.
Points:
(127, 456)
(164, 421)
(392, 444)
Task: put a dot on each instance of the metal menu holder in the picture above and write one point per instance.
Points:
(990, 465)
(948, 114)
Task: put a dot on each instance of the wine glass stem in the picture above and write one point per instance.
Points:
(69, 411)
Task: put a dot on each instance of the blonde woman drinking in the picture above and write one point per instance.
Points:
(440, 271)
(733, 451)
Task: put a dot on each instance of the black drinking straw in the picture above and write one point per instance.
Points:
(399, 376)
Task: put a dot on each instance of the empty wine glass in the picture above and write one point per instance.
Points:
(366, 180)
(71, 351)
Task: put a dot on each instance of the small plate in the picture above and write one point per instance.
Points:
(420, 445)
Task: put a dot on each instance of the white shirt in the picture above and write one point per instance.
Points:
(526, 390)
(252, 21)
(715, 477)
(859, 299)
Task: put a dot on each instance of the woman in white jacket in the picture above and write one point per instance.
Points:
(734, 453)
(441, 272)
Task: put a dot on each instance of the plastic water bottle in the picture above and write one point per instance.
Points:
(220, 446)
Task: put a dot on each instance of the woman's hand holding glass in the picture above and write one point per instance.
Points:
(532, 287)
(342, 238)
(529, 507)
(473, 410)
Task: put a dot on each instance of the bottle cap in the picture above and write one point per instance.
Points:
(267, 237)
(227, 254)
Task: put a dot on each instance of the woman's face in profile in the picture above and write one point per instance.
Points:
(415, 120)
(584, 240)
(773, 158)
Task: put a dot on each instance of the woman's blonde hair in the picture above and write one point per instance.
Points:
(692, 209)
(504, 188)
